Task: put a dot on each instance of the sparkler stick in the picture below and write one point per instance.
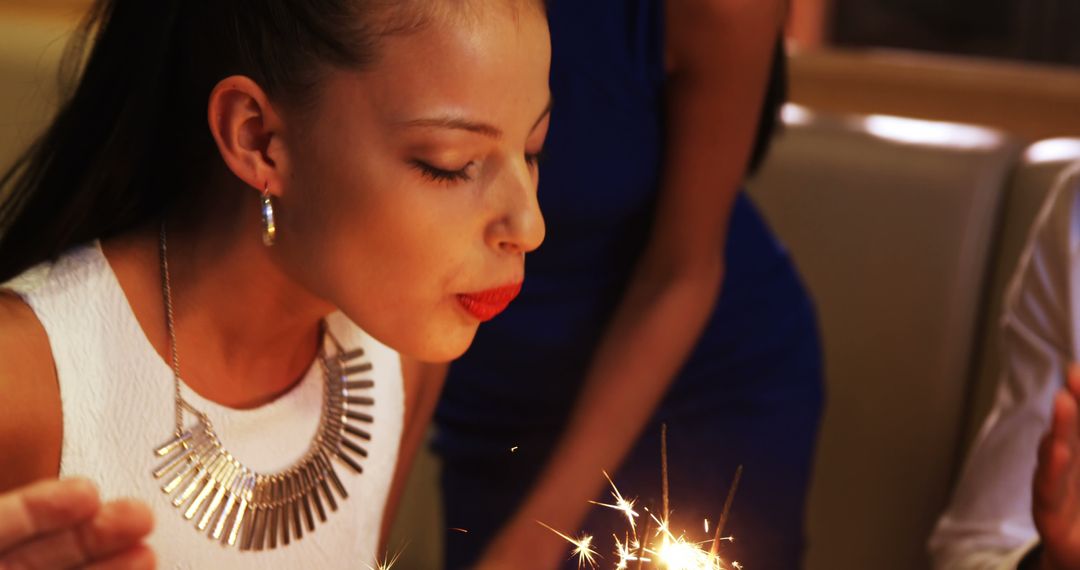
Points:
(663, 469)
(727, 510)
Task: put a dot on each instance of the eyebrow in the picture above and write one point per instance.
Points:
(458, 123)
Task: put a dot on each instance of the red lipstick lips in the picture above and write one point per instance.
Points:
(485, 305)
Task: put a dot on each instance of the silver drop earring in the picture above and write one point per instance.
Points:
(269, 233)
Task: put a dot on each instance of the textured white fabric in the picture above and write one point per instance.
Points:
(117, 400)
(988, 524)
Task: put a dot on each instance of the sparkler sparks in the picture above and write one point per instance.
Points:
(387, 562)
(621, 504)
(659, 549)
(582, 547)
(625, 552)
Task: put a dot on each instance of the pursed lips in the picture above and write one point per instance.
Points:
(485, 305)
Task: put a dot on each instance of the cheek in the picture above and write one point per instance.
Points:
(395, 306)
(409, 298)
(391, 259)
(364, 233)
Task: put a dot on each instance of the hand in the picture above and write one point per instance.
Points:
(1056, 493)
(58, 524)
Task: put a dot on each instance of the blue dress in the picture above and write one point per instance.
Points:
(751, 392)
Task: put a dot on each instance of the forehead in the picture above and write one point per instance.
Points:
(490, 64)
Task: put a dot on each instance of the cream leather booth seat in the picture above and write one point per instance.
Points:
(891, 222)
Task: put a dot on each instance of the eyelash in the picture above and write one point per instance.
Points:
(440, 175)
(535, 158)
(453, 176)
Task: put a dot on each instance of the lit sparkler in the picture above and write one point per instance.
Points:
(659, 549)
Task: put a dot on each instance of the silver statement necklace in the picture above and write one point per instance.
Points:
(238, 506)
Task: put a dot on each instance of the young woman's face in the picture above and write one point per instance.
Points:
(411, 199)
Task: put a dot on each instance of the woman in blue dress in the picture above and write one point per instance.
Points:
(659, 296)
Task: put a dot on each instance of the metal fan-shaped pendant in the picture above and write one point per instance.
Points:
(255, 511)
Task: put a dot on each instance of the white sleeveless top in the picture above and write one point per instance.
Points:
(117, 399)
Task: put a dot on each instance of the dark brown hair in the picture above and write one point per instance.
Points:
(131, 140)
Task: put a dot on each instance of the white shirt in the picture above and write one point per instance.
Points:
(989, 524)
(116, 394)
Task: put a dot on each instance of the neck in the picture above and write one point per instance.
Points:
(245, 331)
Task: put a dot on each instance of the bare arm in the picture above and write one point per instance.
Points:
(46, 523)
(30, 419)
(810, 22)
(719, 55)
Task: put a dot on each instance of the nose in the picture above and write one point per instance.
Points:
(518, 227)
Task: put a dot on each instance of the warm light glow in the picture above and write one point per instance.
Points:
(793, 114)
(683, 556)
(1053, 150)
(931, 133)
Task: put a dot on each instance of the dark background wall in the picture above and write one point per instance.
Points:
(1034, 30)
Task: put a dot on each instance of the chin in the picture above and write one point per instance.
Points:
(438, 356)
(443, 346)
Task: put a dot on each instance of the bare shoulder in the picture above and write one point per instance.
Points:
(31, 422)
(713, 34)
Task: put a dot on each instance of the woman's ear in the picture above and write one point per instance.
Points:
(248, 133)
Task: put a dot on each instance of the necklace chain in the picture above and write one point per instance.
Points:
(170, 327)
(239, 506)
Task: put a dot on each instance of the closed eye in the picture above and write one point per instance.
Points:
(535, 158)
(437, 174)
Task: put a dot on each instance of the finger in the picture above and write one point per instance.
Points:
(138, 558)
(45, 507)
(1055, 454)
(1072, 380)
(117, 527)
(1050, 474)
(1065, 425)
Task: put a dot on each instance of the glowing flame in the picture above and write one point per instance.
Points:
(681, 555)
